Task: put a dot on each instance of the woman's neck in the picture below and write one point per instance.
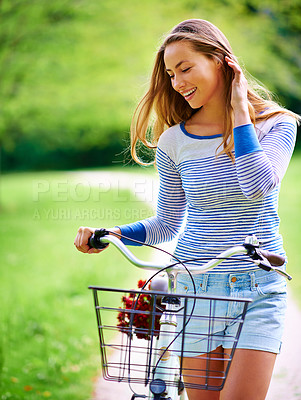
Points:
(207, 121)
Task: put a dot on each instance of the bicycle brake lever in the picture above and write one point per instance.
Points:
(279, 271)
(283, 273)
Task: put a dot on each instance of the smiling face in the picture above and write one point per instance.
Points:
(194, 75)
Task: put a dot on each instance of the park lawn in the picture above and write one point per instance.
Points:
(48, 331)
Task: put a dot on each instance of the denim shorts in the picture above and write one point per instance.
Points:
(264, 320)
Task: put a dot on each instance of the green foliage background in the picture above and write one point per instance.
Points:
(72, 71)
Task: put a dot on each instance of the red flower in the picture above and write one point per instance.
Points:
(141, 283)
(141, 322)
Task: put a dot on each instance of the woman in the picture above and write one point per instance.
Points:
(221, 160)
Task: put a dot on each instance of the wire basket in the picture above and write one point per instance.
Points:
(136, 349)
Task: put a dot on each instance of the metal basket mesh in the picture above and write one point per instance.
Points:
(127, 357)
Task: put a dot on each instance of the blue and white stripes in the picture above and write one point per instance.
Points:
(171, 206)
(260, 171)
(221, 201)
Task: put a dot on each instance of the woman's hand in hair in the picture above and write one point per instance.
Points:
(239, 96)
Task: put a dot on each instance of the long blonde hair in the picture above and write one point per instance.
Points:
(162, 107)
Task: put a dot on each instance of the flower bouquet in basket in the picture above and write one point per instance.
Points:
(141, 322)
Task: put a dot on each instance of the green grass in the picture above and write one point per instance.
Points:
(290, 214)
(48, 334)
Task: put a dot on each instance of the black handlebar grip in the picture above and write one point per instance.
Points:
(274, 259)
(95, 239)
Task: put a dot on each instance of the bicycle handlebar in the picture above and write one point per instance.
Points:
(262, 258)
(102, 242)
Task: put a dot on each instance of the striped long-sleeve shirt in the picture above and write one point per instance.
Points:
(221, 201)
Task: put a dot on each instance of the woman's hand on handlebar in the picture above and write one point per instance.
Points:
(82, 238)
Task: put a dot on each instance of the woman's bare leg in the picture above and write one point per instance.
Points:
(249, 375)
(194, 371)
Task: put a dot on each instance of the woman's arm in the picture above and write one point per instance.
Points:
(260, 165)
(171, 207)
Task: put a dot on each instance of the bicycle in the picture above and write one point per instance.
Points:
(160, 367)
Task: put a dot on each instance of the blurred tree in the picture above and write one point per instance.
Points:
(71, 70)
(286, 19)
(24, 28)
(60, 83)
